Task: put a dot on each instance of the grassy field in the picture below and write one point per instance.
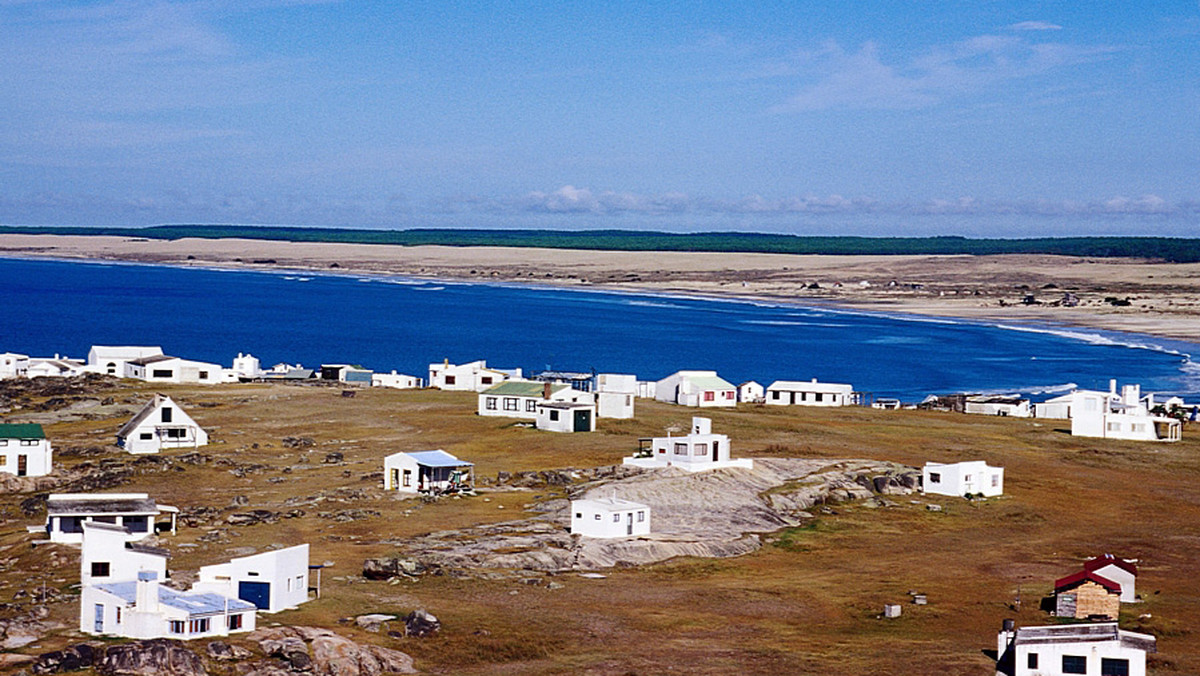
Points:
(806, 603)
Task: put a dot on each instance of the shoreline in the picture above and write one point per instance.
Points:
(1163, 298)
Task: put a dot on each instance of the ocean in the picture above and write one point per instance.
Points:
(393, 323)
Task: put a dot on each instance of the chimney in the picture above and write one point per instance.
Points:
(1112, 386)
(546, 387)
(147, 592)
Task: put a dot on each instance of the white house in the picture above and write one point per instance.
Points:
(54, 367)
(161, 424)
(107, 555)
(161, 368)
(810, 393)
(272, 581)
(698, 451)
(351, 374)
(610, 517)
(1093, 649)
(134, 512)
(471, 377)
(246, 367)
(427, 472)
(615, 393)
(751, 392)
(144, 608)
(962, 478)
(111, 359)
(519, 398)
(1122, 571)
(1002, 405)
(25, 450)
(13, 365)
(696, 388)
(395, 380)
(564, 416)
(1107, 416)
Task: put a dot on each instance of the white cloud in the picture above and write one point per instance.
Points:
(1034, 26)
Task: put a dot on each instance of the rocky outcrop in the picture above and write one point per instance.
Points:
(71, 658)
(324, 653)
(152, 657)
(713, 514)
(420, 623)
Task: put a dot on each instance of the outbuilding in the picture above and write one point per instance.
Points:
(273, 581)
(696, 388)
(610, 517)
(1087, 596)
(427, 472)
(973, 477)
(1122, 571)
(555, 416)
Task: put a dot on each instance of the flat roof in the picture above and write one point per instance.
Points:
(608, 504)
(809, 386)
(196, 604)
(99, 503)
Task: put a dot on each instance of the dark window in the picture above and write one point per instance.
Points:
(70, 524)
(166, 414)
(198, 626)
(204, 375)
(450, 380)
(177, 626)
(235, 622)
(510, 403)
(554, 415)
(935, 478)
(1074, 664)
(486, 380)
(490, 403)
(162, 373)
(146, 436)
(100, 569)
(176, 433)
(137, 524)
(1112, 666)
(530, 405)
(1031, 661)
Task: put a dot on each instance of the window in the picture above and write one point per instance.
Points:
(700, 449)
(967, 478)
(70, 524)
(1114, 427)
(995, 480)
(1074, 664)
(199, 626)
(235, 622)
(616, 518)
(167, 414)
(510, 403)
(29, 442)
(1137, 427)
(597, 517)
(1031, 661)
(204, 375)
(176, 433)
(486, 380)
(100, 569)
(118, 614)
(776, 395)
(161, 373)
(3, 442)
(176, 626)
(530, 405)
(818, 396)
(680, 449)
(1112, 666)
(935, 478)
(450, 380)
(490, 403)
(408, 477)
(554, 416)
(641, 517)
(710, 396)
(578, 515)
(145, 436)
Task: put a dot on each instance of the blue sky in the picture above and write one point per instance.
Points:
(884, 118)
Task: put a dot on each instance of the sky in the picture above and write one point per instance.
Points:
(914, 118)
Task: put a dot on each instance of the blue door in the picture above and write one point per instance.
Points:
(99, 618)
(258, 593)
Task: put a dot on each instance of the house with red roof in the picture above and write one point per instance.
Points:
(1121, 571)
(1087, 595)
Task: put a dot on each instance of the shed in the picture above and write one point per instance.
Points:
(427, 472)
(610, 517)
(566, 416)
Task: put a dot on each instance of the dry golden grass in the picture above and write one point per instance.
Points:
(806, 603)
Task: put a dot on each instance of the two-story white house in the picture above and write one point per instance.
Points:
(962, 478)
(696, 388)
(697, 451)
(161, 424)
(25, 450)
(1107, 416)
(615, 393)
(1092, 649)
(13, 365)
(107, 554)
(810, 393)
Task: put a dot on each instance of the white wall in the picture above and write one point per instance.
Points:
(958, 479)
(286, 570)
(39, 460)
(395, 380)
(594, 518)
(103, 544)
(614, 405)
(138, 442)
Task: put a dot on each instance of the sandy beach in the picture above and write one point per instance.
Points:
(1141, 296)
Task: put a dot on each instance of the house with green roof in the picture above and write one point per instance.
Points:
(520, 398)
(696, 388)
(24, 450)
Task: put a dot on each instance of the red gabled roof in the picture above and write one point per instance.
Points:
(1070, 581)
(1110, 560)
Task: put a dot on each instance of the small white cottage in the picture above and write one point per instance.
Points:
(974, 477)
(698, 451)
(563, 416)
(471, 377)
(111, 359)
(272, 581)
(394, 380)
(1001, 405)
(610, 517)
(161, 424)
(144, 608)
(1094, 649)
(520, 398)
(25, 450)
(13, 365)
(427, 472)
(54, 367)
(161, 368)
(751, 392)
(696, 388)
(134, 512)
(810, 393)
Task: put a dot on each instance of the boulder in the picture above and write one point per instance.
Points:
(152, 657)
(220, 650)
(420, 623)
(338, 656)
(373, 621)
(71, 658)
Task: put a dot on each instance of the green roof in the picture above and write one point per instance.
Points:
(524, 388)
(711, 383)
(21, 431)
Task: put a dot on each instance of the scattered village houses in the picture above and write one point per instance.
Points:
(1128, 416)
(1122, 571)
(811, 393)
(610, 517)
(696, 388)
(697, 451)
(556, 416)
(471, 377)
(25, 450)
(1093, 649)
(161, 368)
(136, 513)
(751, 392)
(973, 477)
(615, 393)
(111, 359)
(427, 472)
(13, 365)
(1087, 596)
(161, 424)
(519, 398)
(395, 380)
(273, 581)
(1002, 405)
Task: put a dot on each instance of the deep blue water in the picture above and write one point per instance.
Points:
(393, 323)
